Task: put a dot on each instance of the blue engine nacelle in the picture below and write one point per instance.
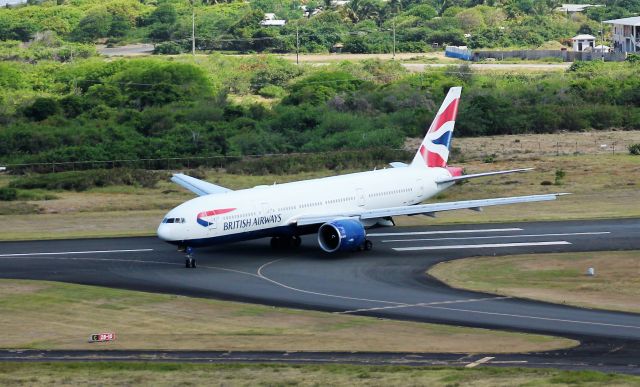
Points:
(341, 235)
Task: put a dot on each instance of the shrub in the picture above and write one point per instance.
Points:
(83, 180)
(633, 58)
(559, 177)
(8, 194)
(42, 108)
(168, 48)
(634, 149)
(272, 91)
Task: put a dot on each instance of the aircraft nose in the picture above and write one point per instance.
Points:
(164, 232)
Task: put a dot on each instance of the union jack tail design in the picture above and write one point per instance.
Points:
(434, 150)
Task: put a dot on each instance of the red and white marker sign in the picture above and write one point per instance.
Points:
(100, 337)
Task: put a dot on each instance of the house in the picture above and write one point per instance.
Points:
(626, 34)
(270, 20)
(574, 8)
(582, 42)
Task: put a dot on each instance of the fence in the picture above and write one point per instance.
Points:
(467, 149)
(564, 55)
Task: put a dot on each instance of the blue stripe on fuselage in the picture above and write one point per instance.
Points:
(281, 231)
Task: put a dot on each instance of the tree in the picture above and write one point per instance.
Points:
(165, 13)
(96, 24)
(42, 108)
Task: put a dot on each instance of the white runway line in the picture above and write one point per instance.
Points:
(499, 236)
(534, 317)
(76, 252)
(443, 232)
(424, 304)
(478, 362)
(484, 246)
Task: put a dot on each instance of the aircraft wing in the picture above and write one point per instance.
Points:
(423, 209)
(197, 186)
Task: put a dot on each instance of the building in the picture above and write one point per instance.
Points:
(270, 20)
(626, 34)
(574, 8)
(582, 42)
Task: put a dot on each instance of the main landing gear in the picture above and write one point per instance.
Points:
(368, 245)
(189, 261)
(279, 243)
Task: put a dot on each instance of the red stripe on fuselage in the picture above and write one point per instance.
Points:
(449, 114)
(215, 212)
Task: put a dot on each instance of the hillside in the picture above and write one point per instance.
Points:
(204, 106)
(360, 25)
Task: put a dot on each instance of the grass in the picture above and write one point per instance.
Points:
(171, 374)
(49, 315)
(604, 185)
(558, 278)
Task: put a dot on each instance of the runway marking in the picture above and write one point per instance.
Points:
(488, 245)
(316, 293)
(443, 232)
(534, 317)
(423, 304)
(498, 236)
(478, 362)
(76, 252)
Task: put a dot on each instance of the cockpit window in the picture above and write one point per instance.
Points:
(173, 220)
(170, 220)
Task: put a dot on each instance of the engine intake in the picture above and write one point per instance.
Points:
(341, 235)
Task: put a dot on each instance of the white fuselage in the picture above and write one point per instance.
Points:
(269, 210)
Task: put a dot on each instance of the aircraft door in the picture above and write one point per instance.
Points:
(360, 197)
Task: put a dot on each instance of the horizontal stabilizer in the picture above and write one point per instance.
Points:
(398, 164)
(197, 186)
(473, 176)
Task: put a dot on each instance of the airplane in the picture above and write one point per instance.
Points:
(340, 209)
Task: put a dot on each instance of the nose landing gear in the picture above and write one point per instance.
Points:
(190, 261)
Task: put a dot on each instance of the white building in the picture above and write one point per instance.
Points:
(270, 20)
(626, 34)
(573, 8)
(582, 42)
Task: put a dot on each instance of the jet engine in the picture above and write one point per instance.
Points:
(342, 235)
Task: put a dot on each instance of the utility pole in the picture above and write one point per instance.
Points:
(393, 23)
(193, 27)
(297, 46)
(602, 35)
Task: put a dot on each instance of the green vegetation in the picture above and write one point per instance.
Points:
(634, 149)
(360, 25)
(170, 374)
(207, 106)
(157, 321)
(559, 278)
(83, 180)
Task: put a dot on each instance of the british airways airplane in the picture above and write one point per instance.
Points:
(339, 208)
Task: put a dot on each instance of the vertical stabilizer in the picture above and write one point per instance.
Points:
(434, 150)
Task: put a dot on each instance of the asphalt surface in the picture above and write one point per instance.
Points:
(387, 282)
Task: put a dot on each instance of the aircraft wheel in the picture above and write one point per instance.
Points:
(368, 245)
(276, 243)
(297, 241)
(187, 263)
(193, 263)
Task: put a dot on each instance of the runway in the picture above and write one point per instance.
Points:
(388, 282)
